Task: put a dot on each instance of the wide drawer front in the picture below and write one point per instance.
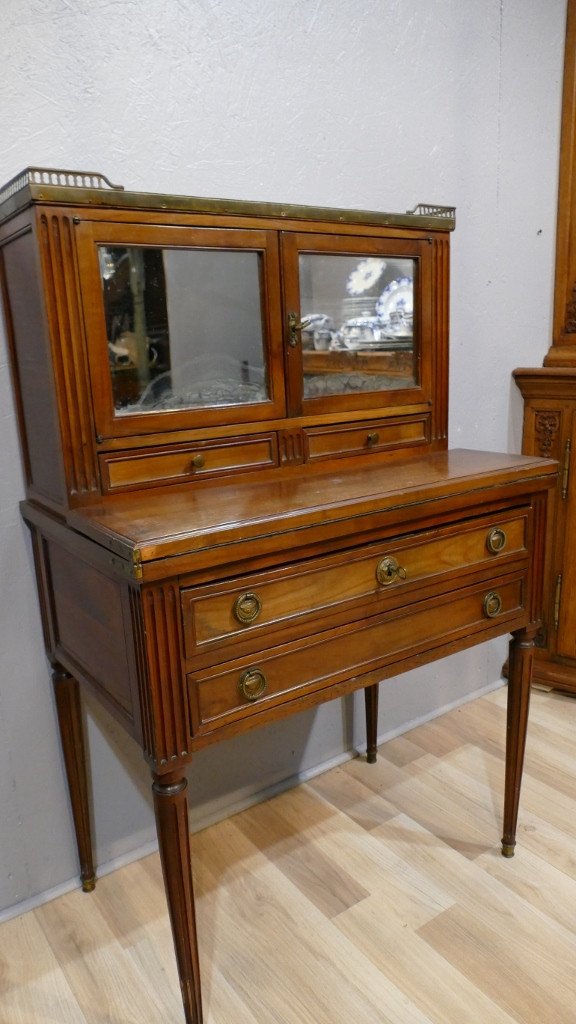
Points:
(276, 676)
(217, 615)
(204, 459)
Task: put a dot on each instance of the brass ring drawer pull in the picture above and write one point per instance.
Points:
(388, 570)
(198, 462)
(496, 540)
(252, 684)
(492, 604)
(247, 608)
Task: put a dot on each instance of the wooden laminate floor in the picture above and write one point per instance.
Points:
(373, 895)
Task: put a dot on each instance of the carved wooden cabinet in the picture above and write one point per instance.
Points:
(233, 422)
(550, 430)
(549, 394)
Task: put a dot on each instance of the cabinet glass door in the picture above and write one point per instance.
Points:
(355, 321)
(184, 330)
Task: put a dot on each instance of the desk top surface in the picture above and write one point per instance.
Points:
(168, 522)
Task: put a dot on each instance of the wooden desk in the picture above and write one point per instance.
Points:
(221, 544)
(207, 613)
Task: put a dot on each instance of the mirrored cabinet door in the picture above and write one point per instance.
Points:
(184, 326)
(356, 321)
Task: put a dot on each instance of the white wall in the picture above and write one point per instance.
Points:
(331, 102)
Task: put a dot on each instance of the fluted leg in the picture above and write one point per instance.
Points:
(519, 681)
(371, 701)
(171, 807)
(67, 694)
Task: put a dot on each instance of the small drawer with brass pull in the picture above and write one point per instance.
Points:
(363, 438)
(123, 470)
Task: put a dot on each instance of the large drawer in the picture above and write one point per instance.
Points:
(219, 696)
(219, 615)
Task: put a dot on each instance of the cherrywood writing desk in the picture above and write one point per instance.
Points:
(202, 614)
(228, 526)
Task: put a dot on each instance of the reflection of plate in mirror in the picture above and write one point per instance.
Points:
(398, 295)
(365, 275)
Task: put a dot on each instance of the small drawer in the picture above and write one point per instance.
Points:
(218, 696)
(219, 614)
(363, 438)
(174, 465)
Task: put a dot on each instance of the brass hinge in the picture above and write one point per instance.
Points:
(566, 468)
(557, 600)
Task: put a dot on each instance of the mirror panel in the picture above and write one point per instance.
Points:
(184, 327)
(358, 315)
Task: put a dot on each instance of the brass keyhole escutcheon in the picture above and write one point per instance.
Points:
(247, 608)
(198, 462)
(496, 540)
(388, 570)
(492, 604)
(252, 684)
(294, 327)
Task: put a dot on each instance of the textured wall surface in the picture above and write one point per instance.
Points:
(330, 102)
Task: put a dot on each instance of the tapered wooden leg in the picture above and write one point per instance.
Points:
(67, 694)
(371, 701)
(171, 807)
(519, 681)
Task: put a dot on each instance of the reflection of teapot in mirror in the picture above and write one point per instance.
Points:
(124, 351)
(322, 340)
(317, 326)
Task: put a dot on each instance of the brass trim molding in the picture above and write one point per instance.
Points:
(78, 188)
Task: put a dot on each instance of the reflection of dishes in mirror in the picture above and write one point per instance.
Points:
(369, 333)
(316, 322)
(385, 344)
(322, 340)
(395, 306)
(401, 325)
(216, 379)
(365, 275)
(361, 332)
(316, 325)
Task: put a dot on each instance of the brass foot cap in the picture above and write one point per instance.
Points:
(89, 884)
(371, 757)
(508, 849)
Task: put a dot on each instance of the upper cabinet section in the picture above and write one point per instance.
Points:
(186, 327)
(180, 339)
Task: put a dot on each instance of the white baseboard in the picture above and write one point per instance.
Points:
(214, 811)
